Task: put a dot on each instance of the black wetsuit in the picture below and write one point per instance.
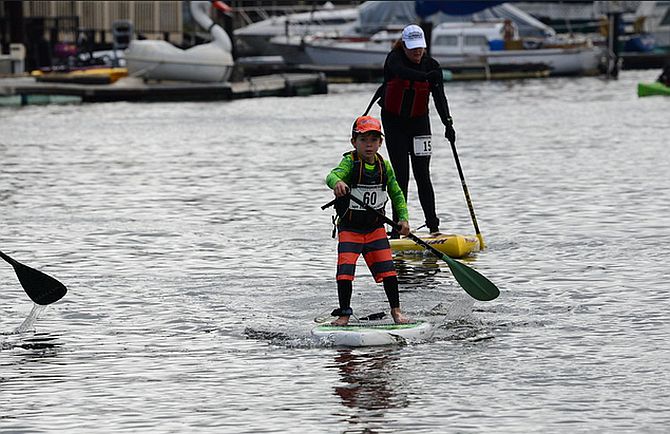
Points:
(400, 129)
(664, 78)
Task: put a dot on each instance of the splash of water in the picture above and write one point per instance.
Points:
(28, 324)
(459, 309)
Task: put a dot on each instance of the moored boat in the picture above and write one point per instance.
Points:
(458, 45)
(453, 245)
(160, 60)
(650, 89)
(498, 43)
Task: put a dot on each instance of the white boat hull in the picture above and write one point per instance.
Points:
(356, 54)
(462, 45)
(291, 49)
(561, 61)
(159, 60)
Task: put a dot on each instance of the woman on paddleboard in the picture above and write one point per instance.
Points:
(410, 76)
(365, 174)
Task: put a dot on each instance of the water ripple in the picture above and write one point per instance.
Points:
(196, 255)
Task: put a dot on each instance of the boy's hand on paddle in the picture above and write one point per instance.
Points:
(341, 189)
(404, 227)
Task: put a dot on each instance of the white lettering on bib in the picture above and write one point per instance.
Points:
(373, 195)
(423, 146)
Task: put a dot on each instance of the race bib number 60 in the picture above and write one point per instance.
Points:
(373, 195)
(423, 146)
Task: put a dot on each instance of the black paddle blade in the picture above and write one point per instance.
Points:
(41, 288)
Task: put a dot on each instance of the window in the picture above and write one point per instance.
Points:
(447, 40)
(666, 19)
(475, 41)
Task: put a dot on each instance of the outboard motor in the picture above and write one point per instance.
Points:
(122, 34)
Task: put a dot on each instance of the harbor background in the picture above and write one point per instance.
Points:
(196, 255)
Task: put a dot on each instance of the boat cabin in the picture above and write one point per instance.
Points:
(473, 37)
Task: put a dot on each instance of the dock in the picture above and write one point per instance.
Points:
(27, 90)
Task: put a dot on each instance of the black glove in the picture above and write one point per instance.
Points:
(449, 132)
(434, 76)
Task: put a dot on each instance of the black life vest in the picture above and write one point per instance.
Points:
(355, 218)
(406, 98)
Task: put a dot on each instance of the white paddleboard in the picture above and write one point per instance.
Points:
(372, 333)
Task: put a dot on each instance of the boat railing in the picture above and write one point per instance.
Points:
(246, 15)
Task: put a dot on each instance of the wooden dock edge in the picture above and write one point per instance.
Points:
(137, 90)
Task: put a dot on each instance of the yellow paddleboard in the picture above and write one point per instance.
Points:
(83, 76)
(454, 245)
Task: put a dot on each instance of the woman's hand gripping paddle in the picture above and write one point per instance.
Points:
(478, 286)
(41, 288)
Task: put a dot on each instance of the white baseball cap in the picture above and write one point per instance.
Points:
(412, 36)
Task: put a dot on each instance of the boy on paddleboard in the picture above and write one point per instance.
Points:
(365, 174)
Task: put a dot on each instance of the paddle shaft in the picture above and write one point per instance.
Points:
(397, 227)
(478, 286)
(467, 196)
(329, 204)
(390, 222)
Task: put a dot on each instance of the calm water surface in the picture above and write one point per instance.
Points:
(196, 254)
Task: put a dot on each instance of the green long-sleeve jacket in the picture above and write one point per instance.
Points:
(343, 172)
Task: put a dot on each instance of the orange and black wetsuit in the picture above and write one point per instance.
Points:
(363, 232)
(404, 114)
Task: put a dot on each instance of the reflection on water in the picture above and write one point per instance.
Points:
(418, 270)
(40, 344)
(368, 381)
(28, 348)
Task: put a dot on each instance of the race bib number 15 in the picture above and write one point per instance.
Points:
(423, 146)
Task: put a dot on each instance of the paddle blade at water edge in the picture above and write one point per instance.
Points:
(475, 284)
(40, 287)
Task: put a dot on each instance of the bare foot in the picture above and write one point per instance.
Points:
(398, 316)
(341, 321)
